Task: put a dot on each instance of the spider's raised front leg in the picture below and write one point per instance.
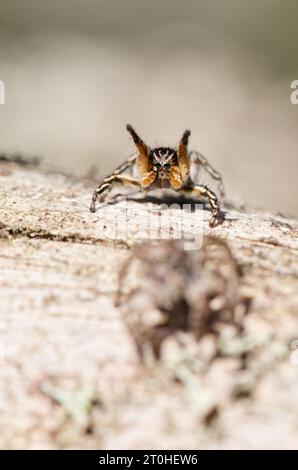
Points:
(198, 191)
(199, 159)
(183, 156)
(106, 186)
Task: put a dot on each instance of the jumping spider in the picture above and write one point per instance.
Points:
(163, 167)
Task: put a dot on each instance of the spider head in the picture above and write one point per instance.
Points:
(162, 158)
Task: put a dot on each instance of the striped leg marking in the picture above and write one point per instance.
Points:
(202, 191)
(106, 186)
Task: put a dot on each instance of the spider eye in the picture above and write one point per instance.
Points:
(166, 166)
(157, 165)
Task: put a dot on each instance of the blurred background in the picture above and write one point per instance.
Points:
(77, 71)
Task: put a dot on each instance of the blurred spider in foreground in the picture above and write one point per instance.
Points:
(163, 167)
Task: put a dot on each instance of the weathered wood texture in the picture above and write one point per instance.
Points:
(70, 375)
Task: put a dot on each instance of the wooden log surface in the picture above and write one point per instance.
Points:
(70, 374)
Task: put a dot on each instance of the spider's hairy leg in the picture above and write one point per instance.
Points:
(107, 184)
(202, 191)
(136, 138)
(199, 159)
(125, 165)
(142, 159)
(104, 186)
(183, 158)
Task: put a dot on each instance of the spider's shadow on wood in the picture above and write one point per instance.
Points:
(168, 199)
